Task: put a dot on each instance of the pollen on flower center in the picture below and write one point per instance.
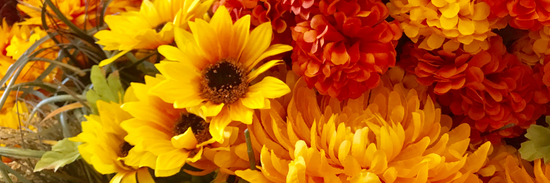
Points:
(159, 27)
(125, 148)
(197, 124)
(224, 82)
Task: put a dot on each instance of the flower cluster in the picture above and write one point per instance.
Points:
(447, 24)
(281, 90)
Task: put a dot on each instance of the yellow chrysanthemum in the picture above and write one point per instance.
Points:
(151, 26)
(507, 166)
(387, 137)
(174, 135)
(211, 71)
(17, 40)
(82, 13)
(447, 23)
(533, 47)
(105, 148)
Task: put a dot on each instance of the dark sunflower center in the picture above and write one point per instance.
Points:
(159, 27)
(197, 124)
(224, 82)
(125, 148)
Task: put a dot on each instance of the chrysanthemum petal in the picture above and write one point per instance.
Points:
(252, 176)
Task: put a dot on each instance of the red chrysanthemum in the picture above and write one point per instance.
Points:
(525, 14)
(262, 11)
(342, 50)
(499, 91)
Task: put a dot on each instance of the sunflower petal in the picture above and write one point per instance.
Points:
(222, 24)
(185, 140)
(252, 75)
(270, 87)
(254, 100)
(206, 39)
(113, 58)
(251, 175)
(239, 112)
(144, 176)
(218, 124)
(180, 71)
(170, 163)
(129, 178)
(260, 39)
(241, 33)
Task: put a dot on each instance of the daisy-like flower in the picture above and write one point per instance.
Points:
(82, 13)
(387, 137)
(105, 148)
(176, 136)
(344, 47)
(211, 72)
(432, 23)
(151, 26)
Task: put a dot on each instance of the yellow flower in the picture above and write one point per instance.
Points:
(81, 13)
(105, 148)
(13, 113)
(151, 26)
(533, 47)
(211, 72)
(387, 137)
(17, 40)
(174, 135)
(450, 23)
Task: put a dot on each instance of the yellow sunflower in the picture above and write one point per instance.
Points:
(80, 12)
(151, 26)
(174, 135)
(211, 71)
(105, 148)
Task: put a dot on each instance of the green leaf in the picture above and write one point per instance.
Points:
(538, 145)
(63, 153)
(109, 90)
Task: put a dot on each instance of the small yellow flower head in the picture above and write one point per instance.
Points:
(13, 113)
(386, 135)
(505, 165)
(533, 47)
(447, 23)
(105, 148)
(15, 41)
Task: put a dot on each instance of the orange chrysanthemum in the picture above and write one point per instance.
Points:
(82, 13)
(463, 22)
(525, 14)
(387, 137)
(342, 50)
(498, 91)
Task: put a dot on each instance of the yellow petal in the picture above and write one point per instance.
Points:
(258, 42)
(481, 11)
(466, 26)
(366, 177)
(180, 71)
(238, 112)
(451, 10)
(186, 140)
(129, 178)
(223, 26)
(448, 23)
(254, 100)
(144, 176)
(435, 41)
(241, 32)
(206, 39)
(255, 73)
(218, 124)
(112, 59)
(170, 161)
(439, 3)
(252, 176)
(270, 87)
